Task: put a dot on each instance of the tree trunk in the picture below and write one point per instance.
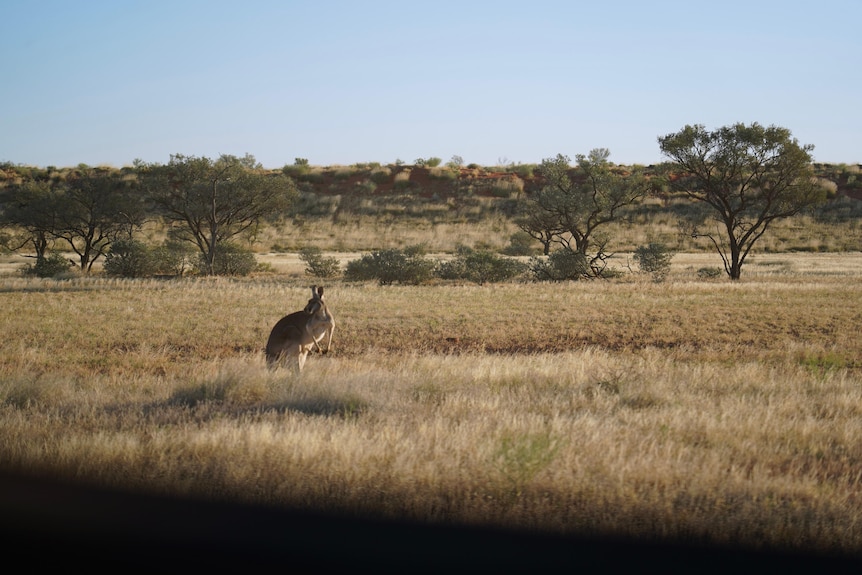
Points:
(210, 256)
(40, 245)
(735, 263)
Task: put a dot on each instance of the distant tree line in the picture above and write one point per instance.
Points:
(745, 176)
(205, 203)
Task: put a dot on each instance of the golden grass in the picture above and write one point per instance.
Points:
(702, 410)
(474, 221)
(436, 229)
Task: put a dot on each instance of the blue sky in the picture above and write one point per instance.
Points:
(340, 82)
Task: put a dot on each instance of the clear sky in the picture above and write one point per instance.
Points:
(340, 82)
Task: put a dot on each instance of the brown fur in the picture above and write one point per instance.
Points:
(298, 333)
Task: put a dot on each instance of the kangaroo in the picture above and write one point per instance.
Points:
(296, 334)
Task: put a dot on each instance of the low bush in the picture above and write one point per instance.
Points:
(317, 265)
(407, 266)
(299, 168)
(561, 265)
(480, 266)
(520, 244)
(381, 175)
(654, 259)
(230, 260)
(48, 267)
(129, 258)
(173, 258)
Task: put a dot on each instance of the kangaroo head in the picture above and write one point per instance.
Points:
(315, 304)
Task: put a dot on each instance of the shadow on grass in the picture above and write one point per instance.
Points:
(207, 399)
(101, 528)
(347, 407)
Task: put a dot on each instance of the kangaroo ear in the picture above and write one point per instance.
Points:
(320, 291)
(313, 292)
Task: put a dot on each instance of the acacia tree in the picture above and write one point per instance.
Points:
(540, 224)
(87, 208)
(749, 175)
(29, 209)
(574, 205)
(95, 208)
(214, 201)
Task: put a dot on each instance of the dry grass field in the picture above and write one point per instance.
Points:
(697, 410)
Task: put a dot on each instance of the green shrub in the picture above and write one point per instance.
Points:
(343, 172)
(521, 244)
(299, 168)
(408, 266)
(507, 187)
(453, 269)
(401, 185)
(310, 176)
(129, 258)
(173, 258)
(48, 267)
(317, 265)
(361, 269)
(654, 259)
(230, 260)
(561, 265)
(381, 176)
(525, 171)
(365, 187)
(480, 266)
(439, 173)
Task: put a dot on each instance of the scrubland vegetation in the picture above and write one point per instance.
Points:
(700, 410)
(652, 398)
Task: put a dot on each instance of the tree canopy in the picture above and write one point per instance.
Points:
(212, 201)
(29, 212)
(749, 175)
(574, 204)
(88, 209)
(97, 208)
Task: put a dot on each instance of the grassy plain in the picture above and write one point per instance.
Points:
(707, 411)
(484, 227)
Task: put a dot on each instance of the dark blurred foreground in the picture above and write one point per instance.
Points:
(54, 524)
